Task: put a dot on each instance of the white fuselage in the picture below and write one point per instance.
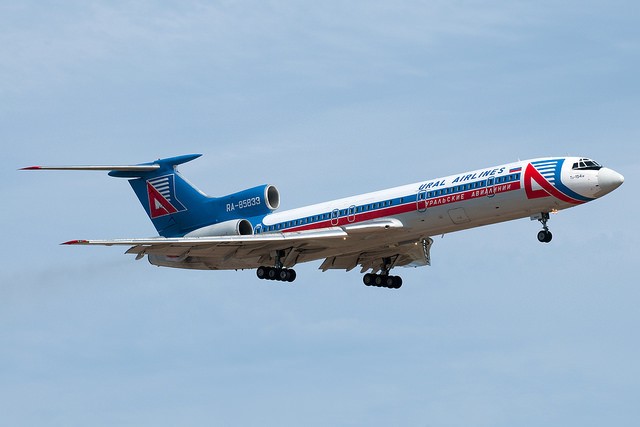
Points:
(455, 202)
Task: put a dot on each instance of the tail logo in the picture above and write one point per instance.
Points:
(162, 197)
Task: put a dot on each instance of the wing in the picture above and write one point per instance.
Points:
(373, 246)
(230, 252)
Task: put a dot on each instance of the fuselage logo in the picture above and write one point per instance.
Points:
(547, 175)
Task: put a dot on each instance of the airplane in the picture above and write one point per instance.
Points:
(377, 231)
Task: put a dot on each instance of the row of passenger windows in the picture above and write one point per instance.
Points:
(379, 205)
(330, 215)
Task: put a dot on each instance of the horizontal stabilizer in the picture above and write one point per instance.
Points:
(136, 168)
(125, 171)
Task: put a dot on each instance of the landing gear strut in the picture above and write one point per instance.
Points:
(544, 235)
(278, 272)
(383, 280)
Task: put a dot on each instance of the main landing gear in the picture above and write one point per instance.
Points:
(278, 272)
(383, 280)
(274, 273)
(544, 235)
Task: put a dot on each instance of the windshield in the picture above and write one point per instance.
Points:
(586, 164)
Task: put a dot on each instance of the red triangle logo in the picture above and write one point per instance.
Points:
(547, 189)
(158, 205)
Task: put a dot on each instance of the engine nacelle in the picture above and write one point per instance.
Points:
(234, 227)
(255, 201)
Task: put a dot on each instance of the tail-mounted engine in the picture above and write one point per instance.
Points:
(233, 213)
(234, 227)
(255, 201)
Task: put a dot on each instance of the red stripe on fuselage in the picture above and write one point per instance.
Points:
(409, 207)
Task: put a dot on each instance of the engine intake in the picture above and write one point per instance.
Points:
(272, 196)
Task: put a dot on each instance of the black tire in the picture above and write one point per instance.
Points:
(397, 282)
(368, 279)
(542, 236)
(272, 273)
(261, 272)
(378, 280)
(549, 237)
(283, 275)
(291, 275)
(389, 281)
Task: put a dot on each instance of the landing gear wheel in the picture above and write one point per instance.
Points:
(378, 280)
(544, 236)
(397, 282)
(279, 274)
(389, 282)
(382, 281)
(369, 279)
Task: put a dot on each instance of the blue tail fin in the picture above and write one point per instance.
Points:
(174, 205)
(177, 208)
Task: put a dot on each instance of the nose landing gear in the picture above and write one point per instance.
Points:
(544, 235)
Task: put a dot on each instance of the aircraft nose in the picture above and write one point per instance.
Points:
(608, 180)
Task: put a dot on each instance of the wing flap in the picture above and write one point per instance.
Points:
(404, 254)
(343, 262)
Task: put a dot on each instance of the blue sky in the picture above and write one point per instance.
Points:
(323, 100)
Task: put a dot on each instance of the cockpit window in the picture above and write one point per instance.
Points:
(586, 164)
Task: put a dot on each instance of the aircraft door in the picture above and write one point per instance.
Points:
(421, 200)
(491, 187)
(352, 213)
(334, 216)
